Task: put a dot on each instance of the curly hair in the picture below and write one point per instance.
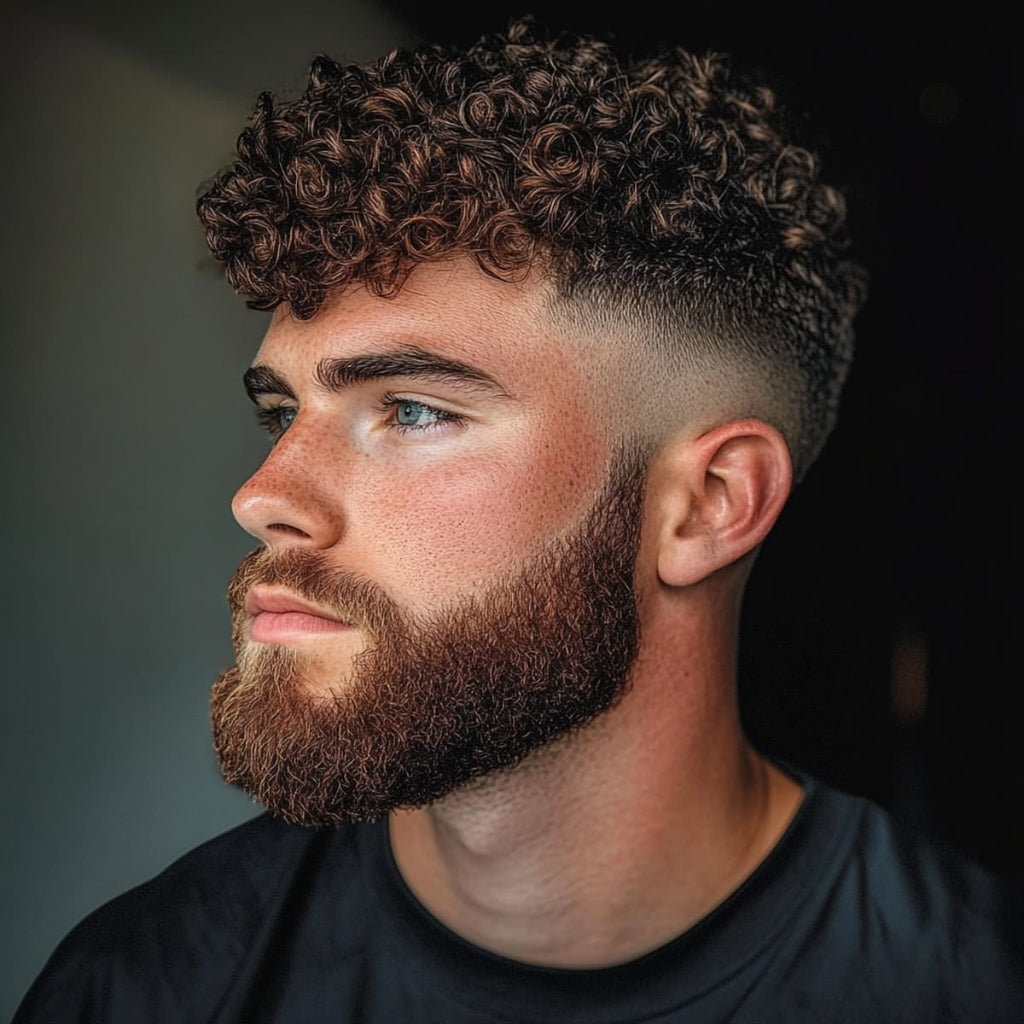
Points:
(660, 188)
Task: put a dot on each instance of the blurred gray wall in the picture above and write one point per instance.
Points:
(125, 434)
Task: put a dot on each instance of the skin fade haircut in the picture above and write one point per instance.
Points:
(658, 197)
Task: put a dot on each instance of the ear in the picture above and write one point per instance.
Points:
(715, 497)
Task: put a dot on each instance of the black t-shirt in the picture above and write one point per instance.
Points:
(848, 920)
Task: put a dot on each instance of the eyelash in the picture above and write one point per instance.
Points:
(390, 402)
(270, 418)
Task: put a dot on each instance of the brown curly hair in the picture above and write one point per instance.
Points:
(659, 188)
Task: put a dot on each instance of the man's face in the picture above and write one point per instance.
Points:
(450, 533)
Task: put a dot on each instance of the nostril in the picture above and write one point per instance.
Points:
(287, 528)
(282, 506)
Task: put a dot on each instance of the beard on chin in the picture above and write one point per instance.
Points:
(439, 700)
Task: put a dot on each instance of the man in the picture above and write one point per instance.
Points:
(553, 334)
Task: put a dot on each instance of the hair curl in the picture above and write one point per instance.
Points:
(663, 183)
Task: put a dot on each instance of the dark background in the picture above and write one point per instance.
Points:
(880, 647)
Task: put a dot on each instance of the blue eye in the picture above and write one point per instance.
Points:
(416, 414)
(406, 415)
(277, 420)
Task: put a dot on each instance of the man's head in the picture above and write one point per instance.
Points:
(544, 322)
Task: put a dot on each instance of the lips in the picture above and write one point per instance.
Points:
(278, 616)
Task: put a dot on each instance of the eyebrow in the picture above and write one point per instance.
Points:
(409, 361)
(261, 380)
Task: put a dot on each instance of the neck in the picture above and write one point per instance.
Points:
(610, 842)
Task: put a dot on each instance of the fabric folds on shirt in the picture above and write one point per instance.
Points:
(849, 919)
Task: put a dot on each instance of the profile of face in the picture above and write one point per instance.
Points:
(450, 525)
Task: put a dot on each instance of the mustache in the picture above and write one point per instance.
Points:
(346, 595)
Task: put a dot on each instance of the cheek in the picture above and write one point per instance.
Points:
(453, 526)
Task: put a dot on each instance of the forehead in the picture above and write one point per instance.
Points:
(455, 311)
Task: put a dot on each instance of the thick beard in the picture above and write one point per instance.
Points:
(437, 702)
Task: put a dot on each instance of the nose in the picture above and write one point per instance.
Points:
(289, 500)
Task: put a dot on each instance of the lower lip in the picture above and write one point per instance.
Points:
(275, 627)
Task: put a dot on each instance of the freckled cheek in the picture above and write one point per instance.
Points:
(450, 529)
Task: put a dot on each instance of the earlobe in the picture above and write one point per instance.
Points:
(719, 496)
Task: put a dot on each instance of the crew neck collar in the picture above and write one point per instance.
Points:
(674, 975)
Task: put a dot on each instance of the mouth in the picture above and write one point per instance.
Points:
(278, 616)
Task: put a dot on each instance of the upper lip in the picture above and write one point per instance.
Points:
(264, 600)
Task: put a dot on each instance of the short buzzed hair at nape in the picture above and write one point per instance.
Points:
(657, 195)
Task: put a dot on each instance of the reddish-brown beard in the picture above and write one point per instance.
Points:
(432, 703)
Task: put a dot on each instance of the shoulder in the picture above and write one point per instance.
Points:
(903, 872)
(194, 920)
(921, 910)
(226, 880)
